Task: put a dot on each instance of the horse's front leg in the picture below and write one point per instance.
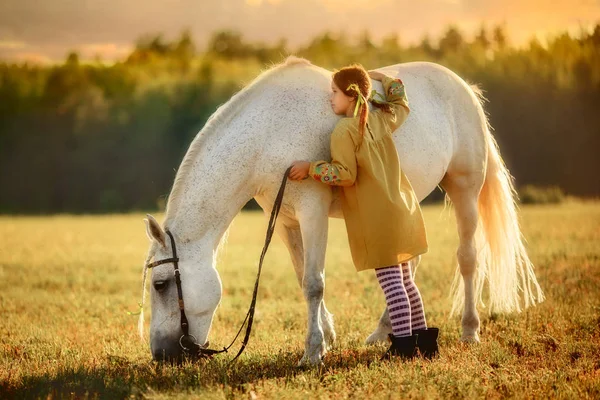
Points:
(314, 225)
(292, 238)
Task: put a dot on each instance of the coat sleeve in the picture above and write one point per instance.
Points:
(396, 95)
(341, 171)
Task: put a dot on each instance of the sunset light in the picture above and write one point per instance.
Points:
(107, 29)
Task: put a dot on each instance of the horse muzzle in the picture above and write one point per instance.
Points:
(178, 351)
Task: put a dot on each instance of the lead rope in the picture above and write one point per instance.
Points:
(270, 229)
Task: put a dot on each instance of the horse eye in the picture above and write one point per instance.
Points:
(159, 286)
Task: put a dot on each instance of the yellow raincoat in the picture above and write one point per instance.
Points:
(383, 219)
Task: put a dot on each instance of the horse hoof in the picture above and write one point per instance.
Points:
(310, 362)
(470, 339)
(377, 337)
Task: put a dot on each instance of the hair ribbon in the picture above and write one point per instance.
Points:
(361, 98)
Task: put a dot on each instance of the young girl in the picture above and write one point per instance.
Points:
(382, 214)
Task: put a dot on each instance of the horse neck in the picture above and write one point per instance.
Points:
(224, 174)
(214, 190)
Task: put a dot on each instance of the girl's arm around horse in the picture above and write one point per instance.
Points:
(341, 171)
(395, 95)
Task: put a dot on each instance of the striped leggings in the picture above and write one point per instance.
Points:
(403, 299)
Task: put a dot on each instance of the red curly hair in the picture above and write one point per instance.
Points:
(356, 73)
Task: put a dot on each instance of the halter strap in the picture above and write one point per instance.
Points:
(186, 337)
(166, 260)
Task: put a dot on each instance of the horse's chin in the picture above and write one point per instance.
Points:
(176, 356)
(170, 350)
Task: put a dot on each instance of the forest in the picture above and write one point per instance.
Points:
(88, 136)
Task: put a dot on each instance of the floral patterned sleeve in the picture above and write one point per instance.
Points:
(396, 95)
(341, 171)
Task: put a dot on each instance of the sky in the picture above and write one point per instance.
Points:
(46, 30)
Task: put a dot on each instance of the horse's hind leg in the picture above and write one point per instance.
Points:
(292, 238)
(464, 192)
(384, 327)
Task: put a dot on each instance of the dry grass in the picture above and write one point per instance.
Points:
(66, 284)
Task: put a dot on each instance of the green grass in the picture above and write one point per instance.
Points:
(67, 282)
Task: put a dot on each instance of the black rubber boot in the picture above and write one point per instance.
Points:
(428, 345)
(403, 346)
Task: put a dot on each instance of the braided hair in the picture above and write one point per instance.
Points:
(354, 76)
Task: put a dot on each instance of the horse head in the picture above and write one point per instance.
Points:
(199, 292)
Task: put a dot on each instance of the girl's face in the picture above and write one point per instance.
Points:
(340, 103)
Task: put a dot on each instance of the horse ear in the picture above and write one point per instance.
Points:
(154, 231)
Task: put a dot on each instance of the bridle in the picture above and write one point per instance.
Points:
(187, 341)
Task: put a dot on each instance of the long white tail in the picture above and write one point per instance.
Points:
(502, 259)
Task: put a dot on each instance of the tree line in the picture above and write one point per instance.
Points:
(97, 137)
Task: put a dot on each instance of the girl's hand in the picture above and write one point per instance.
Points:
(299, 170)
(378, 76)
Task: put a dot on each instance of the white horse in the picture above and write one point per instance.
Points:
(284, 115)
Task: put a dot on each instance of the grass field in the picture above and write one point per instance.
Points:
(67, 282)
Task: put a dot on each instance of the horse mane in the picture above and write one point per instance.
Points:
(217, 118)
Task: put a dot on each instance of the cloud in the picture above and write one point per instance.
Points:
(12, 44)
(30, 57)
(258, 3)
(106, 50)
(342, 6)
